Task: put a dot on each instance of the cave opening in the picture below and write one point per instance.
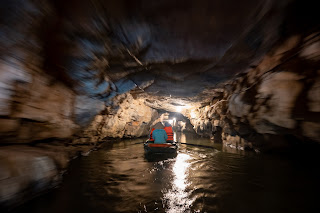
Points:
(178, 121)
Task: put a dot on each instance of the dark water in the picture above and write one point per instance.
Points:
(120, 178)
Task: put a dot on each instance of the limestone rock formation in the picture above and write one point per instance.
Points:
(28, 171)
(32, 107)
(129, 118)
(271, 101)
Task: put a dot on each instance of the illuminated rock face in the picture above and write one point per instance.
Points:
(131, 118)
(270, 105)
(34, 107)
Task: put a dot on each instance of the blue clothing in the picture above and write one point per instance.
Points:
(159, 136)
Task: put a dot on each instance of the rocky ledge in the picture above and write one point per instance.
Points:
(28, 171)
(273, 105)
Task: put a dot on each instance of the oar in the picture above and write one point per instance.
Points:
(140, 142)
(191, 144)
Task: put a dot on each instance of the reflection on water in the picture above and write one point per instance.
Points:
(179, 170)
(177, 199)
(121, 178)
(179, 137)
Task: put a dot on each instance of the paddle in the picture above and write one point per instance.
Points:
(191, 144)
(140, 142)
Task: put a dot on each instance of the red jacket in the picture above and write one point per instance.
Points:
(150, 138)
(169, 132)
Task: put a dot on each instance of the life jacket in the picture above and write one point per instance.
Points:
(169, 132)
(150, 138)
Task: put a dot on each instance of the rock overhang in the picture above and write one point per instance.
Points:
(180, 50)
(172, 48)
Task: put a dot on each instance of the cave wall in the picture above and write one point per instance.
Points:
(126, 118)
(272, 105)
(27, 171)
(54, 67)
(37, 101)
(60, 124)
(53, 84)
(34, 108)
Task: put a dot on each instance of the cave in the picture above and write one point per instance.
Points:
(239, 78)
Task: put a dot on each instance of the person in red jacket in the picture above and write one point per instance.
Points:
(168, 129)
(150, 136)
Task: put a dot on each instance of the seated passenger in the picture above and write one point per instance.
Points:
(169, 131)
(159, 134)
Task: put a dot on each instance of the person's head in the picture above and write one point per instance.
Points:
(166, 124)
(158, 126)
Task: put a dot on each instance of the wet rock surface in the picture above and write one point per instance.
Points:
(272, 101)
(28, 171)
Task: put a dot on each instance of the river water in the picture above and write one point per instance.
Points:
(121, 178)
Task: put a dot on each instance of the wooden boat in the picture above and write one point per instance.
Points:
(160, 148)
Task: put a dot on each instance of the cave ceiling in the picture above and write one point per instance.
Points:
(172, 52)
(184, 49)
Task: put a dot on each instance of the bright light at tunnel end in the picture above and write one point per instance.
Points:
(193, 114)
(181, 108)
(178, 108)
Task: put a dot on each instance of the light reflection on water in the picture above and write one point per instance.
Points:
(179, 169)
(179, 137)
(177, 198)
(120, 178)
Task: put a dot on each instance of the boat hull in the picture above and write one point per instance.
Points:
(160, 148)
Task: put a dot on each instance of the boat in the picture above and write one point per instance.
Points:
(160, 148)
